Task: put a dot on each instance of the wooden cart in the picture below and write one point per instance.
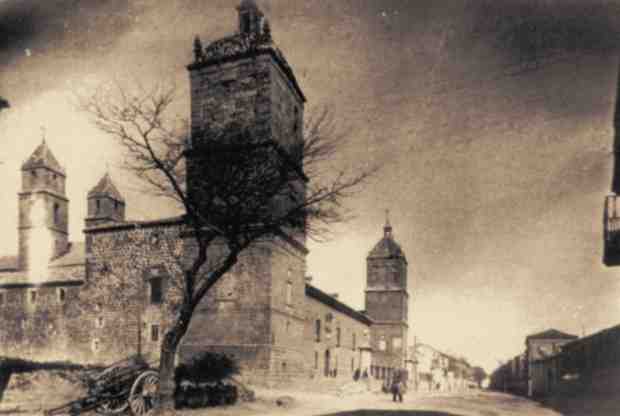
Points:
(126, 385)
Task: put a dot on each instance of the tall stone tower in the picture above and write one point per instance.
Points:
(43, 208)
(387, 300)
(105, 203)
(244, 80)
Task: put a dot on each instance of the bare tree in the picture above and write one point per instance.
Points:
(235, 185)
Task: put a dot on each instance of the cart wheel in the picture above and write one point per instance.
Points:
(143, 394)
(113, 407)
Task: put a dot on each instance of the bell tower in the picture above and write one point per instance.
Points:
(43, 208)
(105, 203)
(244, 80)
(387, 301)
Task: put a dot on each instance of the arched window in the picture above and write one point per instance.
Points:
(318, 330)
(97, 206)
(56, 213)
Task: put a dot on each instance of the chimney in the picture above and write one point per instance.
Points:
(308, 279)
(335, 295)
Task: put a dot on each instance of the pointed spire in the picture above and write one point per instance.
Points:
(106, 188)
(198, 51)
(387, 228)
(42, 157)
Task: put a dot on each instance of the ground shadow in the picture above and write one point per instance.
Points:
(381, 412)
(580, 406)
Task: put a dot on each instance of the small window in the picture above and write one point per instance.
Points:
(100, 322)
(316, 360)
(354, 342)
(62, 295)
(397, 344)
(352, 364)
(97, 206)
(95, 345)
(317, 329)
(288, 326)
(2, 299)
(245, 23)
(338, 333)
(156, 294)
(284, 366)
(56, 213)
(155, 333)
(382, 345)
(289, 293)
(32, 297)
(116, 204)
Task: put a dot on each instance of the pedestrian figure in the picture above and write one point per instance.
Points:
(397, 389)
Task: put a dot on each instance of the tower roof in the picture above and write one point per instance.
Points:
(104, 188)
(42, 157)
(387, 247)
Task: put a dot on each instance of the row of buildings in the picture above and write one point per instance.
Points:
(558, 363)
(436, 371)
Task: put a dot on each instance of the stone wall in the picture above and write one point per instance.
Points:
(330, 355)
(38, 322)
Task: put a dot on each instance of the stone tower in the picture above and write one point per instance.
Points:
(244, 79)
(387, 300)
(43, 208)
(105, 203)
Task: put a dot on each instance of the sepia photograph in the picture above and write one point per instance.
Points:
(310, 207)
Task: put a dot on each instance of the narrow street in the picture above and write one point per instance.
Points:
(371, 404)
(480, 404)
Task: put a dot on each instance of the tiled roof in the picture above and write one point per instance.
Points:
(386, 248)
(328, 300)
(9, 263)
(74, 257)
(21, 279)
(43, 158)
(551, 334)
(106, 187)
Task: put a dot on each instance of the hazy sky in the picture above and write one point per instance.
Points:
(492, 121)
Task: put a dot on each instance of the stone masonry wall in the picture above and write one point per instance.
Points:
(37, 322)
(344, 356)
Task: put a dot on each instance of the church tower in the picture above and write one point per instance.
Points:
(105, 203)
(387, 300)
(244, 79)
(43, 207)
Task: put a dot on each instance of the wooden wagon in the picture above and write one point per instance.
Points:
(130, 384)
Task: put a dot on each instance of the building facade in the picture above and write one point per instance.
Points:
(116, 293)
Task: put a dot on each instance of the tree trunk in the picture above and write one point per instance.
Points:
(168, 352)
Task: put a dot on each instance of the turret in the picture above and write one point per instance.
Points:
(105, 203)
(43, 208)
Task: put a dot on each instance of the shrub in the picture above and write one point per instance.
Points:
(206, 368)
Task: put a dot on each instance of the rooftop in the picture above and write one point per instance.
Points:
(43, 158)
(105, 187)
(387, 247)
(551, 334)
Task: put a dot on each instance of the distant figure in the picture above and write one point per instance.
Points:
(397, 389)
